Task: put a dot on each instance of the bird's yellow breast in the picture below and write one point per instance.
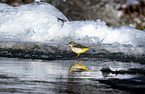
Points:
(79, 50)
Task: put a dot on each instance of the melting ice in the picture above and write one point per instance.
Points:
(41, 22)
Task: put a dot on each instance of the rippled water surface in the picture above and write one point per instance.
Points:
(53, 77)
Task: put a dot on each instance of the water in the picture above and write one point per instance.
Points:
(53, 77)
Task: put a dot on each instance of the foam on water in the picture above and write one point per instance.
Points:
(40, 22)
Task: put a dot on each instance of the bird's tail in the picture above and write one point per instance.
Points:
(92, 46)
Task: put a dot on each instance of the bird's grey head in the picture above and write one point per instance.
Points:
(71, 43)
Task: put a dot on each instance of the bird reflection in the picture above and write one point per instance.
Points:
(77, 67)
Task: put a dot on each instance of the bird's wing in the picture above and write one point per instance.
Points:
(79, 46)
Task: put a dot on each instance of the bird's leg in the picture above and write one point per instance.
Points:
(77, 55)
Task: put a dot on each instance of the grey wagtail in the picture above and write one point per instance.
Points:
(78, 48)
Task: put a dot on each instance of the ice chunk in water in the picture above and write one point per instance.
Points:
(44, 7)
(38, 22)
(32, 22)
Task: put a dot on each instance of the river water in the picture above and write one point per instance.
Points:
(53, 77)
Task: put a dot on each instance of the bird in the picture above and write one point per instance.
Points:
(78, 48)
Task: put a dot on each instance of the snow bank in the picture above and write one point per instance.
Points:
(41, 22)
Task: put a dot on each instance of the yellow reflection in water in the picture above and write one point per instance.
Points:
(77, 67)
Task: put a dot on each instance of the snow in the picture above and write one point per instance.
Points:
(131, 2)
(40, 22)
